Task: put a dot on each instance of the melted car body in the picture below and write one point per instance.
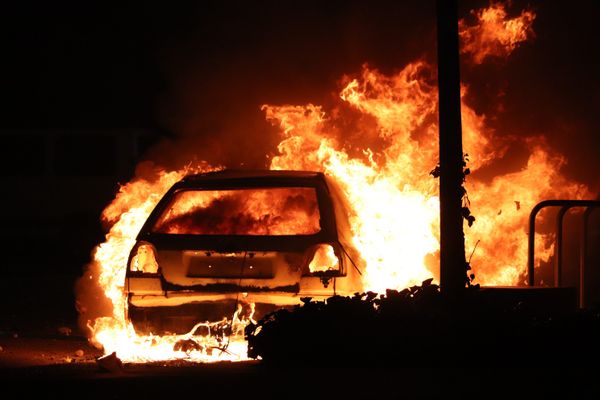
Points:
(230, 242)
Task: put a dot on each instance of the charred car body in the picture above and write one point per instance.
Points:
(227, 242)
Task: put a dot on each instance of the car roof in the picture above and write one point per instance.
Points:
(236, 174)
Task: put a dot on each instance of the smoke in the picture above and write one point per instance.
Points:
(91, 301)
(543, 92)
(219, 73)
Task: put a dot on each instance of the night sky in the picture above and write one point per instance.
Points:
(203, 70)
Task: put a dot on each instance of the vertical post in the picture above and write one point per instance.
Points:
(559, 245)
(583, 246)
(452, 242)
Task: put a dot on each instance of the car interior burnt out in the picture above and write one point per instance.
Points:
(247, 211)
(239, 242)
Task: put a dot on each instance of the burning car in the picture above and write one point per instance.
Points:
(239, 243)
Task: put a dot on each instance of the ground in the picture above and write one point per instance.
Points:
(42, 349)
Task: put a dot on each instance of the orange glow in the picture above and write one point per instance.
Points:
(383, 169)
(324, 260)
(144, 260)
(495, 35)
(396, 208)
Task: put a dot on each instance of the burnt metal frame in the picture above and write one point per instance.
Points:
(565, 206)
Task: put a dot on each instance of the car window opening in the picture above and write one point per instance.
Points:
(246, 211)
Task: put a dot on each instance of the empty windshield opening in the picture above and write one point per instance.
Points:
(248, 211)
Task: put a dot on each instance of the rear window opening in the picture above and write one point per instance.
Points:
(275, 211)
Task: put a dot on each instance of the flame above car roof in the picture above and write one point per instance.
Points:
(251, 173)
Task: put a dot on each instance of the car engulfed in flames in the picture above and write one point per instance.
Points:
(222, 248)
(239, 243)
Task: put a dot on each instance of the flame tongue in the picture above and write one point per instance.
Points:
(385, 176)
(495, 34)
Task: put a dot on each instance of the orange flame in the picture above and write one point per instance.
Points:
(495, 35)
(395, 201)
(114, 333)
(324, 260)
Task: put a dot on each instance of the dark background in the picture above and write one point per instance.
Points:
(88, 88)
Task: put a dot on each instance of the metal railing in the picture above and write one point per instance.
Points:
(565, 205)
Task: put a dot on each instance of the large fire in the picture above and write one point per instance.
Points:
(383, 166)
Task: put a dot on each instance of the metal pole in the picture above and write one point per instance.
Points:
(531, 242)
(453, 273)
(559, 244)
(583, 255)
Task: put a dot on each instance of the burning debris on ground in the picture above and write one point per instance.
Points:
(110, 363)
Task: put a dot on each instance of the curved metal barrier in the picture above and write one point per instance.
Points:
(565, 205)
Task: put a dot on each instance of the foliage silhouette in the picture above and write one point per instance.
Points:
(465, 210)
(419, 327)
